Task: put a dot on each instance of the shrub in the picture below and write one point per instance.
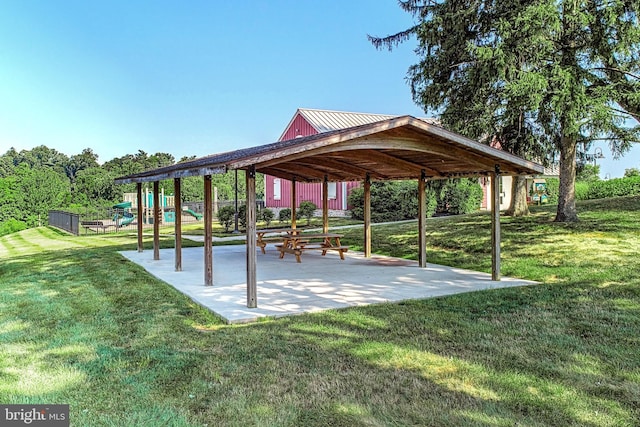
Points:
(306, 210)
(615, 188)
(553, 189)
(226, 216)
(267, 216)
(461, 196)
(582, 190)
(11, 226)
(242, 216)
(284, 215)
(391, 201)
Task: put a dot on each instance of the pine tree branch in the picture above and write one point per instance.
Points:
(393, 40)
(618, 70)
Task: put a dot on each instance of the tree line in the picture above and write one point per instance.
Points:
(32, 182)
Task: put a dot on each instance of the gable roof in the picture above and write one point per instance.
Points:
(329, 120)
(398, 148)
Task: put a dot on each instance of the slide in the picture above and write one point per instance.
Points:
(123, 220)
(194, 214)
(126, 220)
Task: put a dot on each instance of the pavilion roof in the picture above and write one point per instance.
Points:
(392, 148)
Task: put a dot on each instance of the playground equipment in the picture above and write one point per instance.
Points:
(167, 213)
(123, 215)
(166, 205)
(192, 213)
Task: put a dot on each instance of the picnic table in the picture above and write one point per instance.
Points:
(298, 243)
(262, 239)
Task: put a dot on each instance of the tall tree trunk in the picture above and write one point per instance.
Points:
(567, 192)
(518, 206)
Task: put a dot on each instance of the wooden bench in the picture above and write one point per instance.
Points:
(262, 243)
(281, 244)
(299, 250)
(97, 225)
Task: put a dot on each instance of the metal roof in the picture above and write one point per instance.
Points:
(329, 120)
(397, 148)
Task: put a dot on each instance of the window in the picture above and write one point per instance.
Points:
(276, 189)
(333, 189)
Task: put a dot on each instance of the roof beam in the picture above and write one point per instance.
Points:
(305, 171)
(322, 166)
(384, 158)
(278, 173)
(342, 165)
(409, 144)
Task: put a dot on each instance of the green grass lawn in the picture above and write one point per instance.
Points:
(81, 325)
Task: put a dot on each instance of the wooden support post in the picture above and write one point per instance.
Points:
(178, 222)
(252, 294)
(422, 220)
(325, 205)
(367, 216)
(140, 218)
(156, 220)
(495, 225)
(294, 198)
(208, 237)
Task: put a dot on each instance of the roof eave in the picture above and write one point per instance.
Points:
(180, 173)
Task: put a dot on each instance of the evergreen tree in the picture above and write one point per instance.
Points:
(541, 76)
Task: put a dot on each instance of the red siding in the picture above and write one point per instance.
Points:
(304, 191)
(299, 127)
(484, 182)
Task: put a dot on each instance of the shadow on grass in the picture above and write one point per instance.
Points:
(84, 326)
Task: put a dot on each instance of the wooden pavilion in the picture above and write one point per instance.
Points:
(394, 149)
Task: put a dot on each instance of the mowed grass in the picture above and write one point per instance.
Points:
(80, 325)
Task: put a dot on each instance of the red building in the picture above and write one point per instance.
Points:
(307, 122)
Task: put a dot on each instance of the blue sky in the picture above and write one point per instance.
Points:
(197, 77)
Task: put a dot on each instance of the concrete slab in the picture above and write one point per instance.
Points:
(318, 283)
